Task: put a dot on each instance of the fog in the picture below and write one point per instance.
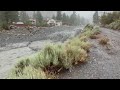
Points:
(86, 14)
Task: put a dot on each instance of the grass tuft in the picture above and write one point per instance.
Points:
(104, 41)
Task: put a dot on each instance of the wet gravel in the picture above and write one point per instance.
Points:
(23, 35)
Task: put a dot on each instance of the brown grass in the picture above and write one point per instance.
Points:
(103, 40)
(93, 37)
(96, 33)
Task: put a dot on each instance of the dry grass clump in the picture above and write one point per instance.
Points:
(28, 72)
(103, 40)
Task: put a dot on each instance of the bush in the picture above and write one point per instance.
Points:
(87, 33)
(104, 41)
(21, 65)
(83, 38)
(93, 37)
(88, 26)
(76, 53)
(96, 30)
(29, 72)
(115, 25)
(38, 62)
(90, 31)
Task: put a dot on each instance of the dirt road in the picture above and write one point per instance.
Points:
(103, 63)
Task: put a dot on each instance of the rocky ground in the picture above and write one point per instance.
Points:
(103, 63)
(20, 42)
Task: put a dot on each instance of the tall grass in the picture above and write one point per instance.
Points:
(29, 72)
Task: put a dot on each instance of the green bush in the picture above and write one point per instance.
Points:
(90, 30)
(88, 26)
(115, 25)
(29, 72)
(21, 65)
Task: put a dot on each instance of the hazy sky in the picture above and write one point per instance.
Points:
(86, 14)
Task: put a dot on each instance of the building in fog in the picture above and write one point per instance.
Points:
(51, 22)
(19, 24)
(58, 23)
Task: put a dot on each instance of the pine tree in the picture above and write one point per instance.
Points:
(24, 17)
(103, 19)
(14, 16)
(53, 17)
(64, 18)
(96, 18)
(7, 17)
(73, 18)
(59, 15)
(39, 18)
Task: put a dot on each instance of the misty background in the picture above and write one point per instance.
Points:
(86, 14)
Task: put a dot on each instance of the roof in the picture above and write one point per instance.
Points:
(19, 23)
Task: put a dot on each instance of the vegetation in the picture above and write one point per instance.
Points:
(59, 15)
(39, 18)
(96, 18)
(53, 58)
(24, 17)
(114, 25)
(28, 73)
(111, 20)
(90, 31)
(7, 17)
(104, 41)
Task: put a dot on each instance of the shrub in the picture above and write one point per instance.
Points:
(50, 55)
(77, 42)
(90, 32)
(83, 38)
(72, 54)
(30, 72)
(38, 62)
(115, 25)
(93, 37)
(21, 65)
(87, 33)
(88, 26)
(104, 41)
